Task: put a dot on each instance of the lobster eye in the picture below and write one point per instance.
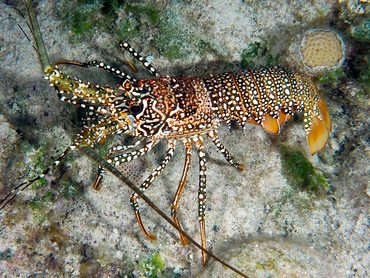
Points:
(136, 109)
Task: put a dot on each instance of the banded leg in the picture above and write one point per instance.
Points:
(89, 117)
(124, 45)
(213, 135)
(112, 150)
(202, 193)
(116, 159)
(148, 182)
(176, 200)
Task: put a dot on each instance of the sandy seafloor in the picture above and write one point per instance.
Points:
(255, 220)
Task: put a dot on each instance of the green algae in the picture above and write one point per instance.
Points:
(363, 74)
(151, 12)
(361, 30)
(69, 189)
(174, 34)
(138, 18)
(176, 40)
(257, 51)
(330, 75)
(152, 266)
(300, 173)
(87, 17)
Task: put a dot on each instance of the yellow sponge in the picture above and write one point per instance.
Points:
(322, 49)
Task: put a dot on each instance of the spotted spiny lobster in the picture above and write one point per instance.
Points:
(183, 108)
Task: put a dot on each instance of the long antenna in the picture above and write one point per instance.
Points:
(44, 59)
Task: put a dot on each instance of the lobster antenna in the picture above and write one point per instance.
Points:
(44, 59)
(90, 153)
(20, 27)
(35, 29)
(14, 193)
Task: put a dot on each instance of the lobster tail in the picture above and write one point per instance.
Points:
(317, 125)
(269, 97)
